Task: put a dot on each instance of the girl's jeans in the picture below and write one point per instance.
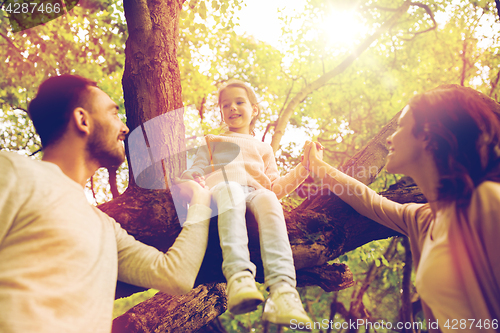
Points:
(232, 201)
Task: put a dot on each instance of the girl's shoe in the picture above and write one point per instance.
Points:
(242, 294)
(283, 307)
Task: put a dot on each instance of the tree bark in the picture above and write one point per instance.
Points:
(406, 304)
(151, 81)
(165, 313)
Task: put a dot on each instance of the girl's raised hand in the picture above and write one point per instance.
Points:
(316, 151)
(311, 150)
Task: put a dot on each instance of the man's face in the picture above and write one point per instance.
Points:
(105, 143)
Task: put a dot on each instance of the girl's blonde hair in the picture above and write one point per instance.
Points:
(234, 83)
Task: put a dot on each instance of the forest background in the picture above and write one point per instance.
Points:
(338, 74)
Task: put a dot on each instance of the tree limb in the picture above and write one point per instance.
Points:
(430, 13)
(494, 83)
(11, 43)
(465, 63)
(165, 313)
(112, 181)
(406, 305)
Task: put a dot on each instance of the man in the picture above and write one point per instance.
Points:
(59, 256)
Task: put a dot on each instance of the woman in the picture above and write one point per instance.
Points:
(448, 141)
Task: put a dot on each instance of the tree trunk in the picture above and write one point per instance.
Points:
(152, 84)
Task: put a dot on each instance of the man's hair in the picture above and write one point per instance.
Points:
(51, 109)
(463, 126)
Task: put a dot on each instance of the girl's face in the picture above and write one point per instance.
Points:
(405, 150)
(237, 111)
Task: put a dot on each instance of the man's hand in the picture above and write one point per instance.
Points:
(196, 176)
(190, 189)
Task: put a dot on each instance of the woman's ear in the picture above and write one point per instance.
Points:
(81, 120)
(425, 137)
(426, 141)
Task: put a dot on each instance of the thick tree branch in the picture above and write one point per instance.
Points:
(165, 313)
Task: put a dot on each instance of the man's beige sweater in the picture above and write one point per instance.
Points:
(60, 257)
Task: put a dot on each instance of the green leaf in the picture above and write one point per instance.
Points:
(203, 10)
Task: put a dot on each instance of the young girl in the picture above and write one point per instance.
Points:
(241, 173)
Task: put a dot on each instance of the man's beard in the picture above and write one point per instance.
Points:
(98, 150)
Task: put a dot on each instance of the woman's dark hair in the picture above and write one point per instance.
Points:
(463, 127)
(51, 109)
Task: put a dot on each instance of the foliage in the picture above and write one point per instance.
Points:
(343, 115)
(88, 41)
(122, 305)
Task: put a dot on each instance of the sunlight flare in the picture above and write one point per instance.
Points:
(343, 28)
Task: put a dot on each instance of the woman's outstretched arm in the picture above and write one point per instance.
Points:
(363, 199)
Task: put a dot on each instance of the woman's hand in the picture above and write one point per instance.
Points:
(315, 152)
(316, 164)
(309, 155)
(305, 156)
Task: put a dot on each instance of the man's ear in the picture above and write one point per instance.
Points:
(81, 120)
